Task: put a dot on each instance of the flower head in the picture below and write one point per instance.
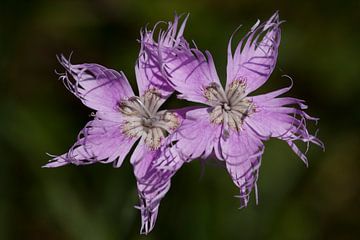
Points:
(122, 119)
(234, 124)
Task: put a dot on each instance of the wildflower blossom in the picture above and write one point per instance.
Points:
(122, 119)
(235, 124)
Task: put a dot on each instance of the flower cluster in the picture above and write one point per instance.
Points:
(231, 124)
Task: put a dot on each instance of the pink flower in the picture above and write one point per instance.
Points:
(122, 119)
(234, 124)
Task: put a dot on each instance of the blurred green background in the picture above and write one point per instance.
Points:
(320, 50)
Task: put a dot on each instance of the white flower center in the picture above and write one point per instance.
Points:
(142, 119)
(229, 107)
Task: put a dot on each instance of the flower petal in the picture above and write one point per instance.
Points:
(169, 38)
(190, 72)
(149, 76)
(187, 69)
(97, 87)
(282, 119)
(153, 172)
(149, 67)
(142, 158)
(196, 137)
(255, 56)
(99, 141)
(242, 153)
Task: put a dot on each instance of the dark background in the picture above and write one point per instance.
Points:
(319, 50)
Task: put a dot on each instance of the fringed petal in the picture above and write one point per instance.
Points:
(149, 68)
(99, 141)
(283, 118)
(255, 56)
(242, 153)
(187, 69)
(190, 72)
(97, 87)
(196, 137)
(153, 181)
(142, 157)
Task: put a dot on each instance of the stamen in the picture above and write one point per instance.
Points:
(132, 129)
(240, 108)
(162, 126)
(214, 92)
(153, 138)
(216, 115)
(235, 122)
(141, 119)
(151, 99)
(143, 107)
(230, 108)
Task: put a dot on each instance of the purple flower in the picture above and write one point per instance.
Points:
(122, 119)
(235, 124)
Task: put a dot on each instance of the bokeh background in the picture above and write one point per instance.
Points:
(319, 50)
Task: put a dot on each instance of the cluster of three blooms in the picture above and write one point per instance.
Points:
(232, 126)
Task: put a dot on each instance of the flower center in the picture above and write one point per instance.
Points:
(142, 119)
(229, 107)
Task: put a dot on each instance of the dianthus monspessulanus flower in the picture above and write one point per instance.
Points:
(235, 124)
(122, 119)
